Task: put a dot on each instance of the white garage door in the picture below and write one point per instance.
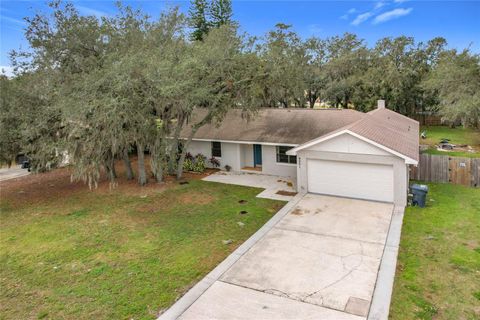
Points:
(351, 179)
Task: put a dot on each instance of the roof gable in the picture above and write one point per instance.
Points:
(347, 143)
(382, 128)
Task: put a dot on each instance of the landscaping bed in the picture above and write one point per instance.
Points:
(438, 270)
(127, 253)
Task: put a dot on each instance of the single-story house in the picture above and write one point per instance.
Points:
(339, 152)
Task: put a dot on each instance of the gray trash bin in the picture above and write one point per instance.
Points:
(419, 192)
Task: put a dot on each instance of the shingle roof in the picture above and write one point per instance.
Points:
(298, 126)
(274, 125)
(391, 130)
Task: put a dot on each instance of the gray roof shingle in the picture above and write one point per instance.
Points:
(273, 125)
(298, 126)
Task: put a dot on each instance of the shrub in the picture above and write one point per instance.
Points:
(214, 161)
(199, 165)
(228, 168)
(188, 165)
(196, 164)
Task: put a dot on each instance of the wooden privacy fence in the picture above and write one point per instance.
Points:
(438, 168)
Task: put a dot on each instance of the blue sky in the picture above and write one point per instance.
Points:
(457, 21)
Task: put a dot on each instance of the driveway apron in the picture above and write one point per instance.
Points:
(320, 261)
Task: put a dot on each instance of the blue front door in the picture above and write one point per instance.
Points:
(257, 155)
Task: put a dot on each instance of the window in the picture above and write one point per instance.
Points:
(216, 149)
(282, 156)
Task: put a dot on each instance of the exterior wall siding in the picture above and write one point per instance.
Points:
(347, 143)
(203, 147)
(230, 153)
(239, 155)
(230, 156)
(350, 150)
(272, 167)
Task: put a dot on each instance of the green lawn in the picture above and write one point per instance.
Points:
(457, 136)
(438, 272)
(118, 255)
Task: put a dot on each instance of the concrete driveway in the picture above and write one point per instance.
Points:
(320, 261)
(12, 173)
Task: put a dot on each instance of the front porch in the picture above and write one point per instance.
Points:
(251, 158)
(277, 188)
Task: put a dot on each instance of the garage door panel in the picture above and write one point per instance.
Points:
(351, 179)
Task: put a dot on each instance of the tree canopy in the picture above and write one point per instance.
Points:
(96, 89)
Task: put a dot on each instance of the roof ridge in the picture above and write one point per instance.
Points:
(394, 112)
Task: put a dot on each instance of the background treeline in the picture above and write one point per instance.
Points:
(98, 89)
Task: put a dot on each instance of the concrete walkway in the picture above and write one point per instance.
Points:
(318, 259)
(271, 184)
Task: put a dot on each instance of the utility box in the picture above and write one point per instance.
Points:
(419, 192)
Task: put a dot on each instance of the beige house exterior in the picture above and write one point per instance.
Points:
(335, 152)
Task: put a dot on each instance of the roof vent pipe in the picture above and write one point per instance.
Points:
(381, 104)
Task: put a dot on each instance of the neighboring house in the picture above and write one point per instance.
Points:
(335, 152)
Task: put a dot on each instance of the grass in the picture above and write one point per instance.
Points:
(438, 271)
(458, 136)
(453, 153)
(118, 255)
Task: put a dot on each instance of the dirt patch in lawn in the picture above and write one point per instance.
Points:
(110, 254)
(196, 198)
(57, 184)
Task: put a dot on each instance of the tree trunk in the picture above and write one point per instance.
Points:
(312, 98)
(128, 164)
(142, 176)
(182, 159)
(157, 168)
(174, 147)
(157, 157)
(187, 143)
(110, 167)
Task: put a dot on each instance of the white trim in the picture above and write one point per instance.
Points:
(293, 152)
(310, 143)
(408, 160)
(248, 142)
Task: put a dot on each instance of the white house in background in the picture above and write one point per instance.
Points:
(328, 151)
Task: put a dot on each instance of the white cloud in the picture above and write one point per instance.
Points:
(92, 12)
(314, 29)
(349, 12)
(361, 18)
(393, 14)
(13, 20)
(378, 5)
(7, 71)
